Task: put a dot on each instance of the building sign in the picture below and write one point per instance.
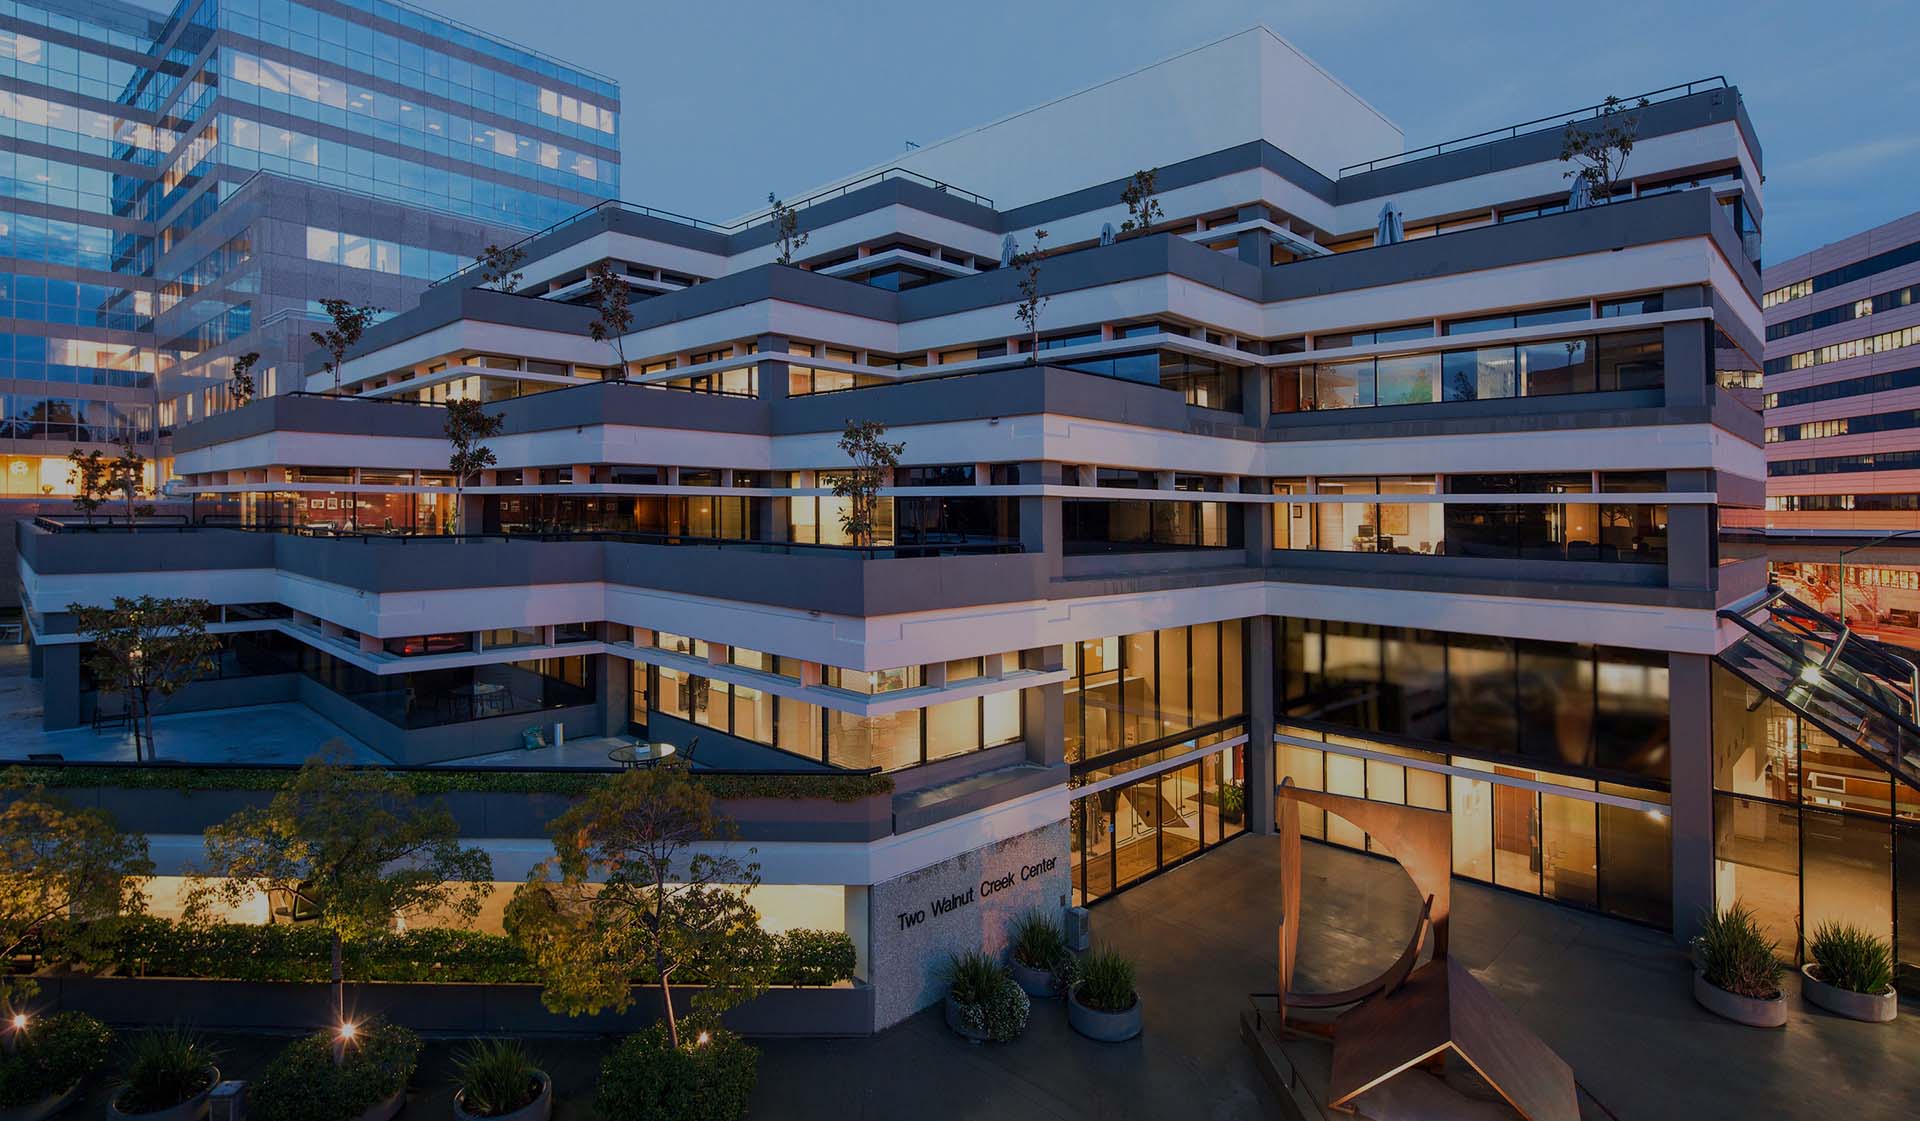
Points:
(967, 902)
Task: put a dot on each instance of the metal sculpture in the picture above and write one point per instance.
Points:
(1412, 1013)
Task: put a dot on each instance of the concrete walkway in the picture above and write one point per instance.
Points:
(1612, 998)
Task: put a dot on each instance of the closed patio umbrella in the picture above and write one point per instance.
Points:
(1393, 228)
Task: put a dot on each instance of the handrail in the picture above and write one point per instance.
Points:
(618, 537)
(454, 767)
(1511, 131)
(742, 224)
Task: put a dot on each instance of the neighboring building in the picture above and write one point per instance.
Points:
(178, 190)
(1432, 522)
(1843, 427)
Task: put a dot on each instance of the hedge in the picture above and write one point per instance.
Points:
(798, 786)
(155, 947)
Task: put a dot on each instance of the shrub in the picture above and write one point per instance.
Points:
(145, 946)
(164, 1068)
(1106, 982)
(814, 957)
(495, 1076)
(303, 1084)
(709, 1077)
(448, 780)
(986, 997)
(1038, 942)
(55, 1052)
(1850, 958)
(1736, 955)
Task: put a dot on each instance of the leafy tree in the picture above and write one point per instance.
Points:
(626, 899)
(1031, 301)
(467, 426)
(873, 458)
(786, 228)
(499, 267)
(1600, 147)
(613, 315)
(127, 477)
(1143, 209)
(145, 646)
(241, 385)
(350, 323)
(90, 476)
(60, 864)
(353, 847)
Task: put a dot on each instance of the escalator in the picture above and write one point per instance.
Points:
(1861, 693)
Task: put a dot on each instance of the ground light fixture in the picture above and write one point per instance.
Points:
(16, 1029)
(703, 1039)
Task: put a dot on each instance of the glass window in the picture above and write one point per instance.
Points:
(1561, 366)
(1408, 379)
(1344, 385)
(953, 728)
(1480, 693)
(1479, 375)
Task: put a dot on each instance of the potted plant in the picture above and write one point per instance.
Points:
(983, 1002)
(1737, 970)
(1851, 973)
(1233, 802)
(707, 1076)
(1103, 1004)
(167, 1077)
(497, 1079)
(368, 1083)
(1038, 958)
(50, 1058)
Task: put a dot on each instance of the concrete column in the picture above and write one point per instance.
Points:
(773, 375)
(1255, 247)
(1045, 713)
(1256, 396)
(1256, 522)
(1041, 529)
(616, 693)
(1691, 548)
(1261, 777)
(60, 686)
(1690, 719)
(1689, 362)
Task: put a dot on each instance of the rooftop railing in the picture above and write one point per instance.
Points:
(745, 223)
(1538, 124)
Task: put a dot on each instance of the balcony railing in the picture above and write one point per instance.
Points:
(181, 524)
(1538, 124)
(745, 223)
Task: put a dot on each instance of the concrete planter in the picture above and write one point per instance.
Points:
(1740, 1009)
(1107, 1027)
(193, 1109)
(1036, 983)
(44, 1108)
(959, 1026)
(1874, 1008)
(539, 1109)
(386, 1110)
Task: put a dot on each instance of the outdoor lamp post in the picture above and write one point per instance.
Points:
(1845, 553)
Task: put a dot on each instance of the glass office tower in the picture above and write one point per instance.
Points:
(180, 189)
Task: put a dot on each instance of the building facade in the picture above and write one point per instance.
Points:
(1266, 496)
(183, 189)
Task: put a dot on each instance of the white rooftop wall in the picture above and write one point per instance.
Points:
(1248, 86)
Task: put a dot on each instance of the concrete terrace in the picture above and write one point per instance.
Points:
(1612, 998)
(274, 734)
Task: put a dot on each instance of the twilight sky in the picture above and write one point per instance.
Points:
(726, 100)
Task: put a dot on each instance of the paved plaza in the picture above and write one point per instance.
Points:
(1612, 998)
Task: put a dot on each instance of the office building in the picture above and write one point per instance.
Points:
(182, 189)
(1396, 473)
